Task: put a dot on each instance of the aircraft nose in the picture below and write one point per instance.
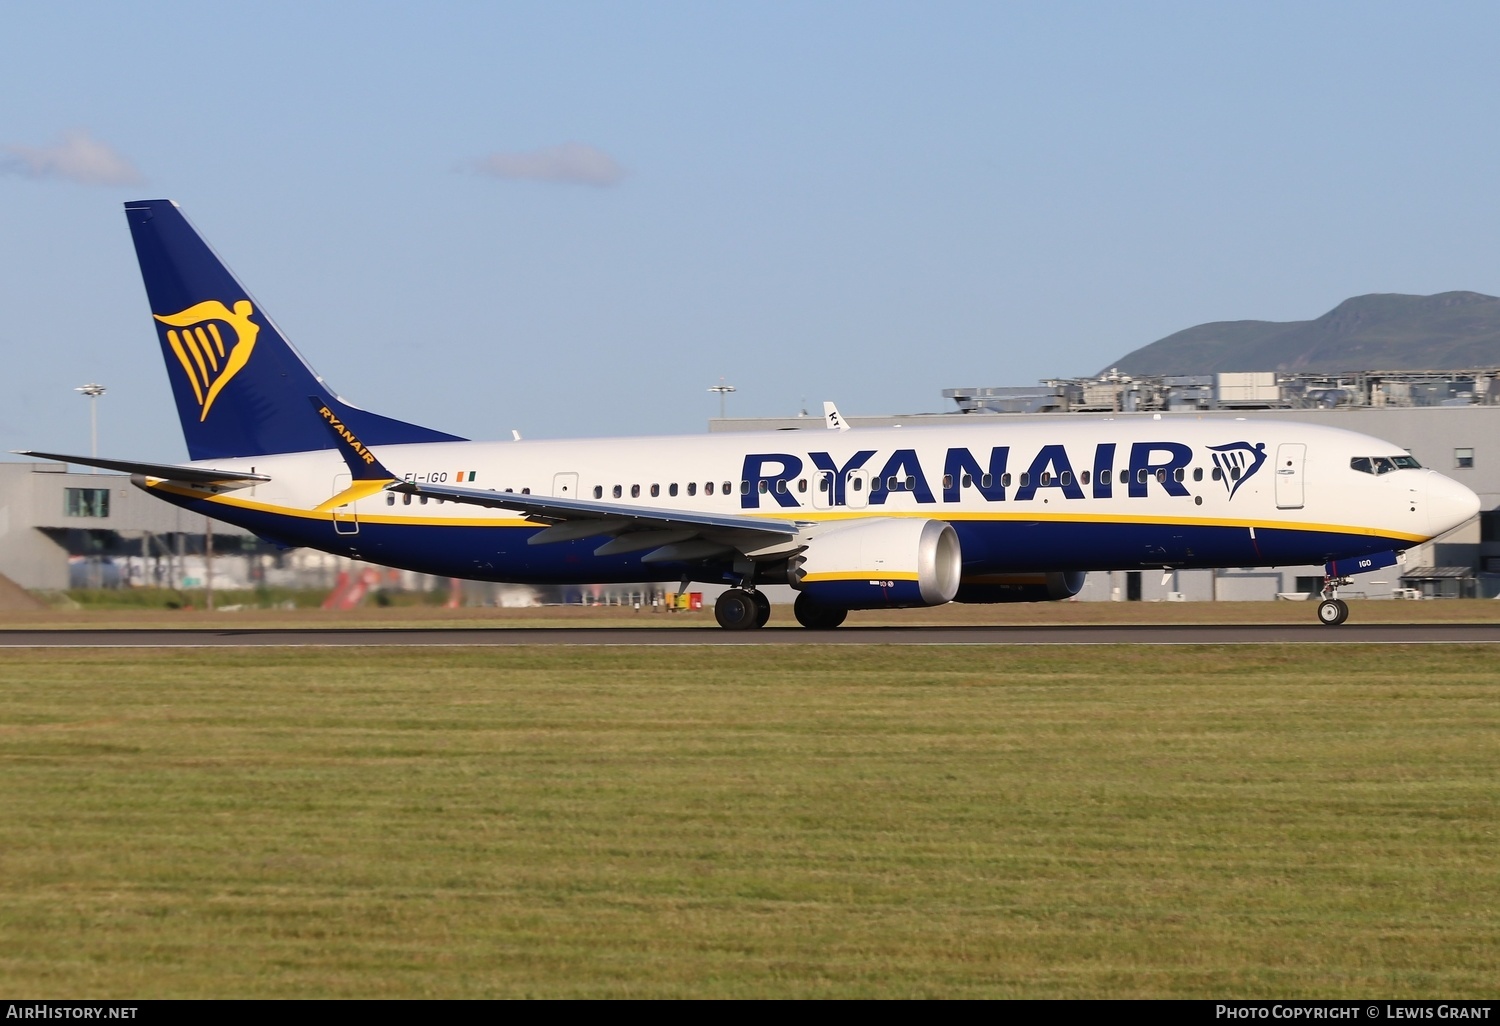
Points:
(1449, 504)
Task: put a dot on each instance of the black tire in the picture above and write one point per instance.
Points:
(816, 616)
(1332, 612)
(736, 610)
(762, 608)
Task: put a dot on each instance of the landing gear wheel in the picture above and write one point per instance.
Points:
(816, 616)
(762, 608)
(737, 610)
(1332, 612)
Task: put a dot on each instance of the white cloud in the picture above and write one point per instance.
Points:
(76, 157)
(570, 163)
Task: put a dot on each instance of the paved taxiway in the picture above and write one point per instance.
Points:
(1201, 634)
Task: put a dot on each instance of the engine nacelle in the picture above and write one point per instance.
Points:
(1043, 587)
(882, 563)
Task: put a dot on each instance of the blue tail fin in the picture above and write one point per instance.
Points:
(241, 388)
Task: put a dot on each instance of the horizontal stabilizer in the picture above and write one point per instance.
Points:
(165, 471)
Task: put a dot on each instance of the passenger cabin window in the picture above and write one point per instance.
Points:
(656, 491)
(635, 491)
(598, 491)
(708, 489)
(617, 491)
(857, 483)
(1197, 474)
(692, 487)
(801, 484)
(672, 489)
(728, 488)
(1083, 478)
(1104, 476)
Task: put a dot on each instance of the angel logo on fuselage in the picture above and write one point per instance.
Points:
(1237, 462)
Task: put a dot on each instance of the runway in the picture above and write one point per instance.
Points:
(1205, 634)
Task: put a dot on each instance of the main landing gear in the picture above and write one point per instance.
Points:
(739, 609)
(816, 616)
(1333, 610)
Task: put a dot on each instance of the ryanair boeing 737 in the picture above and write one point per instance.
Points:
(992, 510)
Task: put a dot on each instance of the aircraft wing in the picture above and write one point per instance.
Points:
(674, 533)
(166, 471)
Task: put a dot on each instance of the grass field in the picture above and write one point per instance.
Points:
(892, 822)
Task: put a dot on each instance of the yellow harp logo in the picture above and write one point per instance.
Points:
(208, 358)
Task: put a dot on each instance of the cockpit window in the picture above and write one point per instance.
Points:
(1383, 464)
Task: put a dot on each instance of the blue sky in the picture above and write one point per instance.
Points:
(573, 218)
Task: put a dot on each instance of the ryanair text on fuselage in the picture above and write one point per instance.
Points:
(773, 474)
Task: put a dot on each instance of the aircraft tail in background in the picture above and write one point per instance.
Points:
(241, 388)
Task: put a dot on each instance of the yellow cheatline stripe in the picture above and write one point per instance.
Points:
(159, 484)
(358, 490)
(865, 575)
(1081, 518)
(824, 516)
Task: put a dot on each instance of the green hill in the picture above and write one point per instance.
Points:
(1450, 330)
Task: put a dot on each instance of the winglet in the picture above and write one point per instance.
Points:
(832, 418)
(363, 466)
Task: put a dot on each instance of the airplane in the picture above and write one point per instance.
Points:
(989, 510)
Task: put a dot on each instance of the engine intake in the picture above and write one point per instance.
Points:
(882, 563)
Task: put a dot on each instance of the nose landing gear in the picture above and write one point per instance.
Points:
(1333, 610)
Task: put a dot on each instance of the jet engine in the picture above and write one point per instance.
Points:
(879, 564)
(1041, 587)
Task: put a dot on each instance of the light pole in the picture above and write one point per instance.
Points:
(723, 391)
(93, 391)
